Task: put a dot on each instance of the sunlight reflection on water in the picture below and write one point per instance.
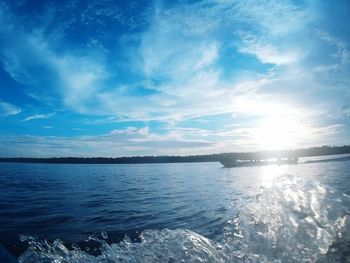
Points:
(274, 213)
(269, 173)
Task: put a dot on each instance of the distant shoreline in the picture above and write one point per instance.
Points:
(308, 152)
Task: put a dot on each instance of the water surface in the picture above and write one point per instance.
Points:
(220, 214)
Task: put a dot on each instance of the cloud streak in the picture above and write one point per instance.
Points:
(136, 141)
(8, 109)
(107, 67)
(141, 141)
(38, 116)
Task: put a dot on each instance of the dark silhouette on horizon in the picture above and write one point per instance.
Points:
(308, 152)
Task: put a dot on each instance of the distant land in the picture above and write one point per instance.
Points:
(307, 152)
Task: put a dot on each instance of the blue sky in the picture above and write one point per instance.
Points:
(125, 78)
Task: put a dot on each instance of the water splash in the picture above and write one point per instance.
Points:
(290, 221)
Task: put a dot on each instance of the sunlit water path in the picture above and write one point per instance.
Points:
(184, 212)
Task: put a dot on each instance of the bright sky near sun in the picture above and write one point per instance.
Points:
(125, 78)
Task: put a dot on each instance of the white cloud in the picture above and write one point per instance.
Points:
(181, 45)
(38, 116)
(335, 61)
(141, 141)
(179, 58)
(80, 78)
(30, 58)
(267, 52)
(274, 16)
(8, 109)
(342, 53)
(131, 141)
(209, 55)
(132, 131)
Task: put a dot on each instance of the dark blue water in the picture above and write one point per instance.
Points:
(224, 214)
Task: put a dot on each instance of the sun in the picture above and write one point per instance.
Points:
(278, 133)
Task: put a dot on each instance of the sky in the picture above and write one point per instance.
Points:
(131, 78)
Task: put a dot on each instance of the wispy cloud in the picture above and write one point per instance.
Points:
(131, 141)
(142, 141)
(338, 60)
(168, 64)
(38, 116)
(266, 52)
(180, 49)
(8, 109)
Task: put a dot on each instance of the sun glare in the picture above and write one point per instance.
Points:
(269, 173)
(278, 133)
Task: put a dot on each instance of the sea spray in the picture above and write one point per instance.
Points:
(292, 220)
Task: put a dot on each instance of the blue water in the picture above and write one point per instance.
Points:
(196, 212)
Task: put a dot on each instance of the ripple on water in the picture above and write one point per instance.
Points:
(291, 221)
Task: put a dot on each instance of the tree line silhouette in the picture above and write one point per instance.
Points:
(307, 152)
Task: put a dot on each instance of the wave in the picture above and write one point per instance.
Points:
(291, 221)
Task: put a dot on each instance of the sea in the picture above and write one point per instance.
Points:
(184, 212)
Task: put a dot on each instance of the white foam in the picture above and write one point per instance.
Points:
(291, 221)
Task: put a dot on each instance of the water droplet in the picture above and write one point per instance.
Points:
(104, 234)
